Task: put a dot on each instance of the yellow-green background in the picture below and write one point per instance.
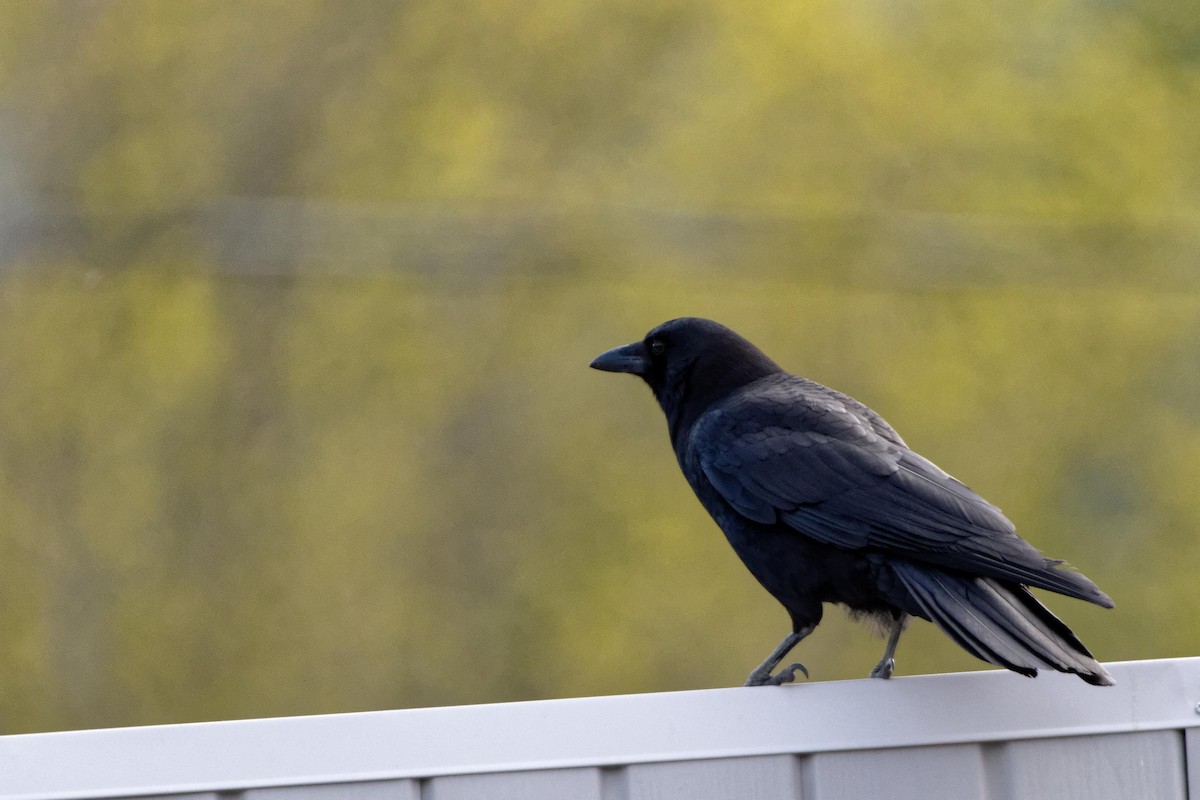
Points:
(297, 300)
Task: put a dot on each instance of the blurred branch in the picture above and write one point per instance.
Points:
(274, 237)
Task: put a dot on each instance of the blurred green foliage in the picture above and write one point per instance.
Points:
(297, 300)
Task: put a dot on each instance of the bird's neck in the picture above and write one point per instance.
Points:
(698, 388)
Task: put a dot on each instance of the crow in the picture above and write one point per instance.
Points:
(825, 503)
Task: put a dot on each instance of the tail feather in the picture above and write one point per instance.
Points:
(943, 606)
(998, 622)
(1003, 611)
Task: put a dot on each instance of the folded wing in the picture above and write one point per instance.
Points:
(789, 450)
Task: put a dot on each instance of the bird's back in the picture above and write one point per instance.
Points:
(786, 451)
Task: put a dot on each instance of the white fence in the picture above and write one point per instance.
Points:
(970, 736)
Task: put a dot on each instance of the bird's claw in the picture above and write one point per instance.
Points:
(884, 669)
(785, 675)
(788, 674)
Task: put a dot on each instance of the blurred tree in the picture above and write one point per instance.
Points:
(297, 299)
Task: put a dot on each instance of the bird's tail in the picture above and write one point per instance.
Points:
(999, 622)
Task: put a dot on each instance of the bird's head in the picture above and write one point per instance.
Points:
(689, 363)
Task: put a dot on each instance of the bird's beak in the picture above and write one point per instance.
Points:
(629, 358)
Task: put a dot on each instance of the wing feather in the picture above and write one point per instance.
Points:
(787, 449)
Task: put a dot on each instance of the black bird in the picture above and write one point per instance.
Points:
(825, 503)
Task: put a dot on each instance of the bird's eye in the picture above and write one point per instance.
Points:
(658, 347)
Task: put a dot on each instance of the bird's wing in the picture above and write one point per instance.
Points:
(793, 452)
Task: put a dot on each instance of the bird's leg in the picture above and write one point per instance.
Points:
(888, 663)
(762, 673)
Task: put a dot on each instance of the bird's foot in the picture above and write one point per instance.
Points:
(785, 675)
(788, 674)
(884, 669)
(759, 677)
